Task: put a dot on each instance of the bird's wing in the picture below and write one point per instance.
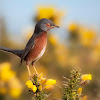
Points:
(27, 49)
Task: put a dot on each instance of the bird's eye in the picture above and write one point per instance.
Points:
(48, 25)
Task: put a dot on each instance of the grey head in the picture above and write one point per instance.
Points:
(44, 25)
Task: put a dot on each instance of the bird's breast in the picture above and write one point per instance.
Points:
(38, 48)
(41, 53)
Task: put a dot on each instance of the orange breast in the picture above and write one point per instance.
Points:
(40, 44)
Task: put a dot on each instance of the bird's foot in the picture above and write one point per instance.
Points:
(35, 70)
(30, 77)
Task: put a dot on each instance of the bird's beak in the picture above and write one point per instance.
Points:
(55, 26)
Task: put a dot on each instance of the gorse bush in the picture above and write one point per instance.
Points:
(72, 87)
(38, 86)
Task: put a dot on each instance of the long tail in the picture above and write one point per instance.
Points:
(16, 52)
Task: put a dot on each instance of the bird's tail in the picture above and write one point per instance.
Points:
(16, 52)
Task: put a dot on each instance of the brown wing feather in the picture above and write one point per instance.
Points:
(28, 47)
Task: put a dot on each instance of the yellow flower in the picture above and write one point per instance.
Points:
(50, 82)
(50, 13)
(29, 84)
(40, 88)
(53, 39)
(72, 27)
(7, 75)
(73, 92)
(84, 98)
(5, 66)
(15, 93)
(34, 88)
(79, 90)
(15, 87)
(43, 81)
(15, 83)
(40, 75)
(5, 72)
(45, 12)
(48, 87)
(86, 77)
(74, 95)
(88, 37)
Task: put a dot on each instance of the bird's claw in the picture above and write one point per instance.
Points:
(30, 77)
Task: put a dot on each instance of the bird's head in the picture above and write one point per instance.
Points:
(45, 25)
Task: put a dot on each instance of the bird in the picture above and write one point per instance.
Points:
(36, 45)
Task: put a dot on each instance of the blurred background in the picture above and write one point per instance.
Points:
(76, 44)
